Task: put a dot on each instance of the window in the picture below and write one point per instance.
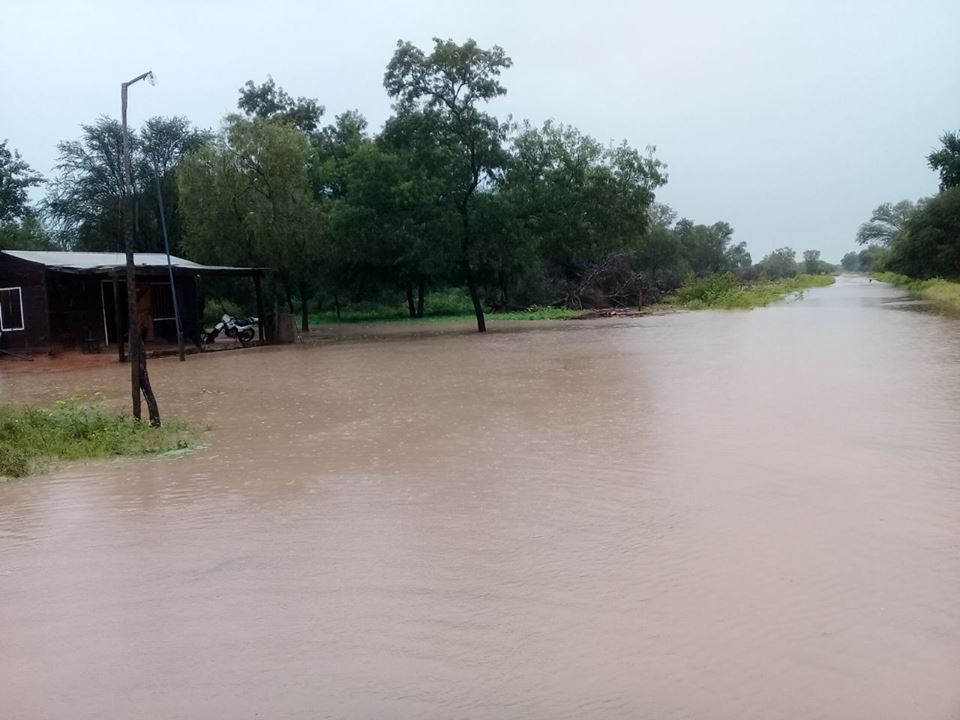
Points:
(11, 309)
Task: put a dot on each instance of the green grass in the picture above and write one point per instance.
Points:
(444, 306)
(534, 313)
(945, 293)
(727, 292)
(32, 437)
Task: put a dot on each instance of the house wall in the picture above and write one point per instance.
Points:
(31, 279)
(62, 309)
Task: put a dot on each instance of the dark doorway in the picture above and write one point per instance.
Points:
(109, 312)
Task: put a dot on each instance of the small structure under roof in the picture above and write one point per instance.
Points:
(52, 300)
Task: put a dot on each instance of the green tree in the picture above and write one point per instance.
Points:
(247, 198)
(930, 244)
(946, 160)
(386, 226)
(581, 201)
(706, 248)
(20, 226)
(811, 262)
(781, 263)
(16, 179)
(30, 234)
(737, 257)
(873, 258)
(84, 199)
(451, 84)
(850, 262)
(886, 223)
(268, 101)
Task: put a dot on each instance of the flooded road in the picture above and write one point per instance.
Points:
(704, 515)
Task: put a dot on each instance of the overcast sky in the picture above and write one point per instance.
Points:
(789, 120)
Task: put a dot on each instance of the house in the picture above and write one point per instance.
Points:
(51, 301)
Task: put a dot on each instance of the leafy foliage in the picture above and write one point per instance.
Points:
(930, 243)
(267, 101)
(16, 178)
(726, 291)
(86, 195)
(886, 223)
(811, 262)
(445, 195)
(74, 429)
(247, 199)
(850, 262)
(447, 88)
(946, 161)
(781, 263)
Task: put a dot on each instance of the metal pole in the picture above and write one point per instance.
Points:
(173, 287)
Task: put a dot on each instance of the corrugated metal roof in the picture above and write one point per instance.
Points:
(105, 261)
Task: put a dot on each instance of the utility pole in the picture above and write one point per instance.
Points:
(139, 380)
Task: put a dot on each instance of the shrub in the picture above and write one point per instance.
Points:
(74, 429)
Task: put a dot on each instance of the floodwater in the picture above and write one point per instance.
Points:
(704, 515)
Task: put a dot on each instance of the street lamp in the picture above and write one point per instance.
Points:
(139, 380)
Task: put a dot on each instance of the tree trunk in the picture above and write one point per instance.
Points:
(336, 303)
(152, 408)
(136, 353)
(420, 293)
(468, 270)
(304, 312)
(474, 296)
(504, 294)
(410, 306)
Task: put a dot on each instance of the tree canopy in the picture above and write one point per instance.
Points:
(946, 160)
(919, 239)
(16, 179)
(444, 195)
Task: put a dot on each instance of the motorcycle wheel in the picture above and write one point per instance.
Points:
(246, 336)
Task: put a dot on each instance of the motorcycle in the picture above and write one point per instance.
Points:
(242, 329)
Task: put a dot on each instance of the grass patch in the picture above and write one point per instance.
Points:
(945, 293)
(32, 437)
(442, 306)
(726, 291)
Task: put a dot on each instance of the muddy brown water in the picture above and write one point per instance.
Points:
(705, 515)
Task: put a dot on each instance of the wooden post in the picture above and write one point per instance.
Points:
(117, 319)
(139, 379)
(256, 286)
(133, 324)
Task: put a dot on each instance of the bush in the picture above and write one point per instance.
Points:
(214, 309)
(725, 291)
(72, 430)
(708, 290)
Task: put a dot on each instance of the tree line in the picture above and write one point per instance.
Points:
(445, 194)
(919, 239)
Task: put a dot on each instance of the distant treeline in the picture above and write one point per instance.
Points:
(444, 195)
(917, 239)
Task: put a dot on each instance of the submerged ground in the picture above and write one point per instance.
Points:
(718, 514)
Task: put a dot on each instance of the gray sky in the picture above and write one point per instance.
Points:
(790, 120)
